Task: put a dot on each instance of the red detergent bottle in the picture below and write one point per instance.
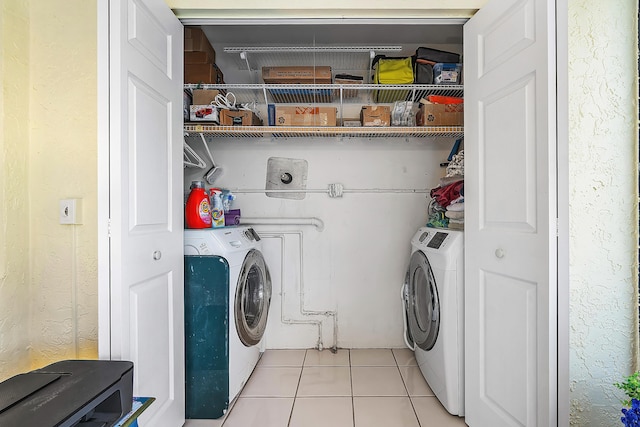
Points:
(198, 212)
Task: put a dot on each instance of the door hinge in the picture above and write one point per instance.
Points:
(109, 227)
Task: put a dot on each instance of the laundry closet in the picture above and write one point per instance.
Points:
(338, 245)
(350, 261)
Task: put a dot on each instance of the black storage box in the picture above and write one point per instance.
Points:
(83, 393)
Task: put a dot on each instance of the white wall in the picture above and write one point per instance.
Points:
(603, 206)
(357, 264)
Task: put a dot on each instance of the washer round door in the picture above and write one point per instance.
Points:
(253, 296)
(423, 305)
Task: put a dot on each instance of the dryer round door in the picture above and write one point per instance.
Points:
(253, 295)
(423, 304)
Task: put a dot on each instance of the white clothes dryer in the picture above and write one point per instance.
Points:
(432, 297)
(227, 297)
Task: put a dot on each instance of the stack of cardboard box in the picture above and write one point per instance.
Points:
(199, 59)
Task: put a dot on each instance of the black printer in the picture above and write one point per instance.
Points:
(83, 393)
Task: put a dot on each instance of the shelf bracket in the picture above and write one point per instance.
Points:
(245, 57)
(266, 100)
(372, 54)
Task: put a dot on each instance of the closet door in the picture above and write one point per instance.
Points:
(510, 225)
(146, 196)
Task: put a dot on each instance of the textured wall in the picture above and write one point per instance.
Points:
(48, 272)
(62, 164)
(603, 221)
(14, 199)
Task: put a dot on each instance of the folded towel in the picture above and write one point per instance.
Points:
(456, 207)
(454, 215)
(454, 226)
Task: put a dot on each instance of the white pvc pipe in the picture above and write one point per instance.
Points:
(303, 311)
(326, 190)
(283, 318)
(313, 221)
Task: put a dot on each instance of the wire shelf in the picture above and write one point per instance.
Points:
(330, 93)
(211, 130)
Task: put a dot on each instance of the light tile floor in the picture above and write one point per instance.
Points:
(351, 388)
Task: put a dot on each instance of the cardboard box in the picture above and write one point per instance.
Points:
(440, 115)
(239, 118)
(204, 113)
(297, 74)
(305, 116)
(192, 32)
(199, 57)
(375, 115)
(204, 96)
(203, 73)
(196, 41)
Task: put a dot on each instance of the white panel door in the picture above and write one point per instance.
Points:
(146, 193)
(510, 198)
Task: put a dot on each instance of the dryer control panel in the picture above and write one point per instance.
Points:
(434, 239)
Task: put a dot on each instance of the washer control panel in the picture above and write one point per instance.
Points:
(217, 241)
(238, 237)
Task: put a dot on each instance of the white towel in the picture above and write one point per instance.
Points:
(456, 207)
(454, 215)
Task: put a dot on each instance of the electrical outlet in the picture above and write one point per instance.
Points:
(71, 211)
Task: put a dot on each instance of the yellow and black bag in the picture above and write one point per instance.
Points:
(392, 71)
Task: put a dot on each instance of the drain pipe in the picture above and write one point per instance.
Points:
(303, 311)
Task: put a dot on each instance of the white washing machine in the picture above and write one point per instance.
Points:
(432, 297)
(227, 297)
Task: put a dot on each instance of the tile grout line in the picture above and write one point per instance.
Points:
(404, 382)
(306, 356)
(295, 395)
(353, 405)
